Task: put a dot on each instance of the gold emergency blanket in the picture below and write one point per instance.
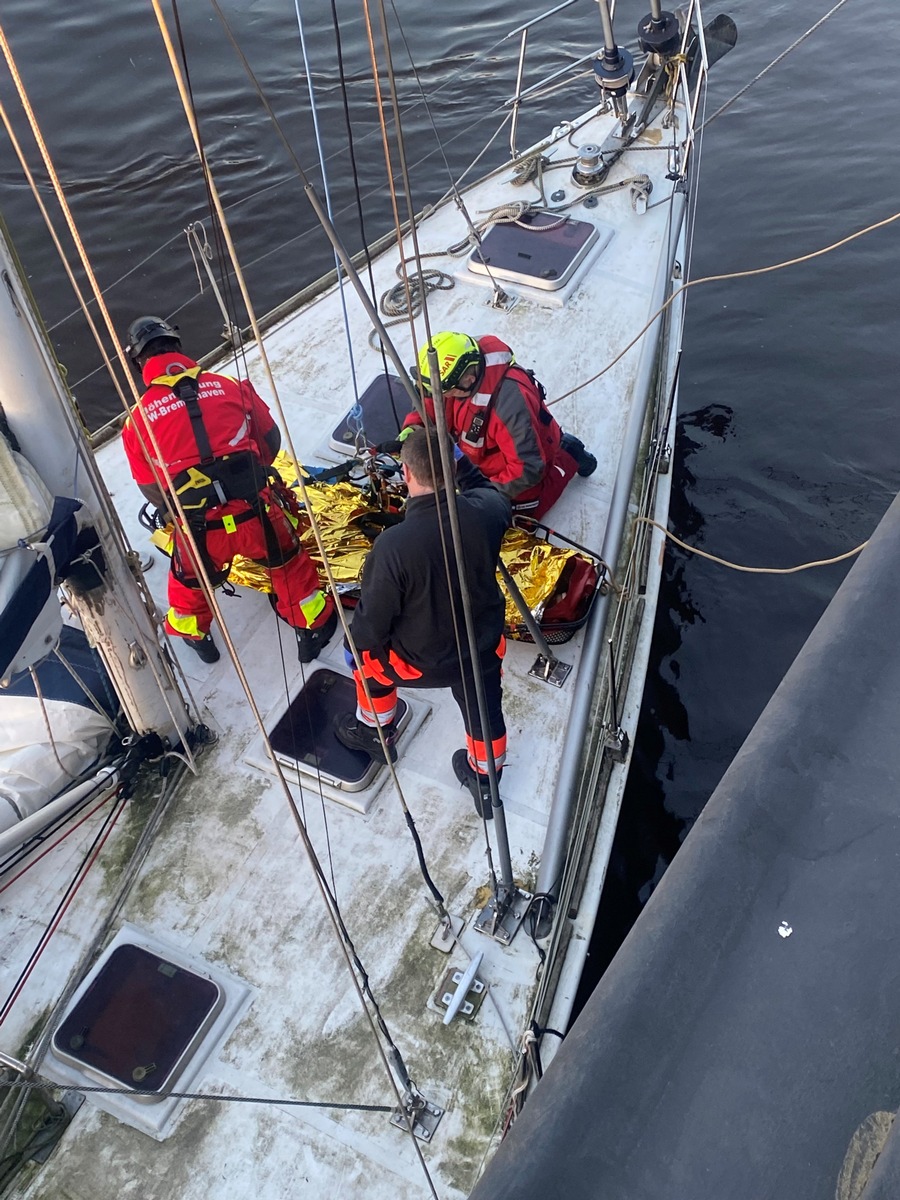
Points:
(535, 567)
(534, 564)
(335, 505)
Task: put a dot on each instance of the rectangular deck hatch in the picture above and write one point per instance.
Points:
(305, 733)
(384, 405)
(541, 250)
(139, 1021)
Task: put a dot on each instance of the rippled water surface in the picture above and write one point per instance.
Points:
(787, 448)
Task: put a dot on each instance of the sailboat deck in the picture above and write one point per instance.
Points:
(227, 881)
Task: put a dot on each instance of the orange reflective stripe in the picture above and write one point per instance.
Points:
(478, 753)
(384, 707)
(404, 669)
(501, 647)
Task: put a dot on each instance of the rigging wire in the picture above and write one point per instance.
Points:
(105, 500)
(448, 494)
(62, 820)
(358, 197)
(126, 880)
(438, 898)
(774, 63)
(360, 981)
(728, 275)
(68, 896)
(221, 1098)
(356, 415)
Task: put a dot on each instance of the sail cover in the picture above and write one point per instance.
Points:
(37, 538)
(78, 705)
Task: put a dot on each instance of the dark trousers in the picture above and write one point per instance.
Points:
(384, 679)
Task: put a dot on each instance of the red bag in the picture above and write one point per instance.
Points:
(573, 594)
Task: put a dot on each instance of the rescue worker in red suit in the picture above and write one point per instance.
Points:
(496, 413)
(217, 438)
(402, 626)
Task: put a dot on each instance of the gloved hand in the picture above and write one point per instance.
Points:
(457, 453)
(348, 658)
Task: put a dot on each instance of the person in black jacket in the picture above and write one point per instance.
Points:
(408, 626)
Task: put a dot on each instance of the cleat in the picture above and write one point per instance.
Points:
(587, 463)
(311, 642)
(355, 735)
(205, 648)
(478, 785)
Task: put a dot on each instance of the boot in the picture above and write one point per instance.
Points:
(587, 464)
(478, 785)
(311, 642)
(355, 735)
(205, 648)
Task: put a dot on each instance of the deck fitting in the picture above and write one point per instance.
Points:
(461, 992)
(617, 743)
(424, 1116)
(501, 921)
(550, 670)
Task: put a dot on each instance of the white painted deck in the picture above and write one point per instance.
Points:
(227, 879)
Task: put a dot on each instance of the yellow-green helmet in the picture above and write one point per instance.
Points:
(456, 354)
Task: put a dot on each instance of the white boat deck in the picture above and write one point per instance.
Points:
(227, 880)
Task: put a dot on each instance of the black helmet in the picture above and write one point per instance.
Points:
(144, 330)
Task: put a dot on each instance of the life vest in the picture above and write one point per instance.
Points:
(468, 418)
(214, 479)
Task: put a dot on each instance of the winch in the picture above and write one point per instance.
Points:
(590, 168)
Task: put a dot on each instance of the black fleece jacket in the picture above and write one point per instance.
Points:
(405, 599)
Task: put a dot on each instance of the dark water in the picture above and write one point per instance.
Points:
(787, 447)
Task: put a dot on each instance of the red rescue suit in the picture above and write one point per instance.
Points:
(232, 506)
(506, 429)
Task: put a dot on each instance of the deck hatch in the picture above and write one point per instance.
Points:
(304, 735)
(384, 405)
(139, 1021)
(547, 260)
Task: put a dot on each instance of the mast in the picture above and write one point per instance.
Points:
(110, 604)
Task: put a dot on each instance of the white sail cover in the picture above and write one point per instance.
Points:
(35, 767)
(25, 508)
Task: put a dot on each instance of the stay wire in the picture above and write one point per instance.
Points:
(443, 496)
(360, 982)
(729, 275)
(226, 282)
(454, 183)
(163, 672)
(320, 150)
(300, 481)
(449, 495)
(68, 895)
(278, 1101)
(774, 63)
(358, 197)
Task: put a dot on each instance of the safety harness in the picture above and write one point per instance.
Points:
(217, 481)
